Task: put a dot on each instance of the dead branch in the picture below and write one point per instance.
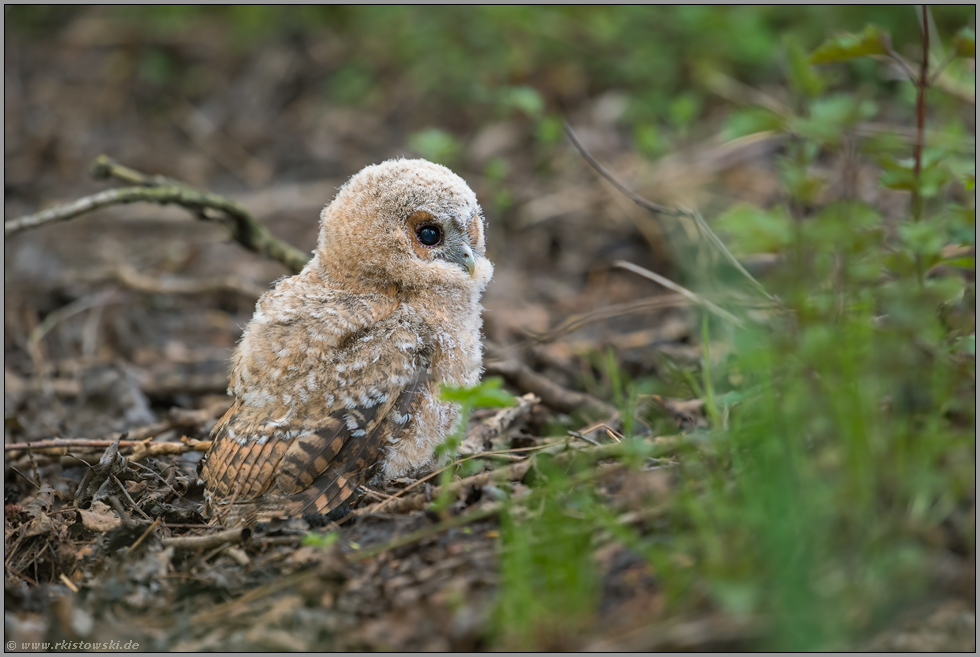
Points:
(17, 386)
(134, 280)
(140, 448)
(146, 450)
(527, 380)
(575, 322)
(512, 472)
(208, 541)
(426, 532)
(709, 633)
(480, 437)
(192, 417)
(124, 438)
(243, 227)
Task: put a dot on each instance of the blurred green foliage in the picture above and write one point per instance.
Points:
(841, 446)
(466, 64)
(841, 454)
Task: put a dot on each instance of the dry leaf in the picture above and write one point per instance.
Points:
(99, 518)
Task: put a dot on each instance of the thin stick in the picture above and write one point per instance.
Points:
(671, 285)
(69, 310)
(70, 584)
(144, 534)
(130, 498)
(425, 532)
(670, 212)
(190, 445)
(899, 60)
(376, 508)
(243, 227)
(576, 322)
(208, 541)
(26, 478)
(920, 114)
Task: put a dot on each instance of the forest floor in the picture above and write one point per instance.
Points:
(119, 326)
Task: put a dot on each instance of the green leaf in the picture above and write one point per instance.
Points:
(320, 540)
(832, 116)
(802, 76)
(684, 109)
(750, 121)
(966, 43)
(436, 145)
(649, 140)
(969, 262)
(900, 174)
(883, 145)
(873, 41)
(923, 238)
(487, 393)
(523, 99)
(842, 225)
(800, 184)
(755, 230)
(549, 130)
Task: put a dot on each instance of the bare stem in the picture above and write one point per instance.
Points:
(922, 82)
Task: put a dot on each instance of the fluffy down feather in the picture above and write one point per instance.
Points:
(337, 376)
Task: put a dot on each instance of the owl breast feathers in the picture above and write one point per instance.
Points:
(337, 376)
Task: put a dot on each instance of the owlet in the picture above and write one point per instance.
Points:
(337, 376)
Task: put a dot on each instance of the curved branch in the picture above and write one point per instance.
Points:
(243, 227)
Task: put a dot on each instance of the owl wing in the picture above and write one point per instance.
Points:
(285, 474)
(323, 381)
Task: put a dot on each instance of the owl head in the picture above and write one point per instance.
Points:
(409, 222)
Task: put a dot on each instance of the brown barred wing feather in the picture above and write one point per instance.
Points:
(354, 463)
(314, 471)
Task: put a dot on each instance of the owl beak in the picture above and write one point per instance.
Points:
(464, 258)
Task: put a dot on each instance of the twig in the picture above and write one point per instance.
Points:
(213, 614)
(142, 283)
(141, 450)
(425, 532)
(26, 478)
(942, 68)
(480, 437)
(119, 196)
(575, 322)
(527, 380)
(67, 582)
(669, 284)
(512, 472)
(146, 450)
(208, 541)
(120, 510)
(899, 60)
(377, 508)
(146, 533)
(243, 228)
(670, 212)
(130, 498)
(104, 167)
(69, 310)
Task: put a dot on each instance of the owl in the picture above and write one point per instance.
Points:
(336, 379)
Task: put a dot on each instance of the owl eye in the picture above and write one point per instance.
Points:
(429, 235)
